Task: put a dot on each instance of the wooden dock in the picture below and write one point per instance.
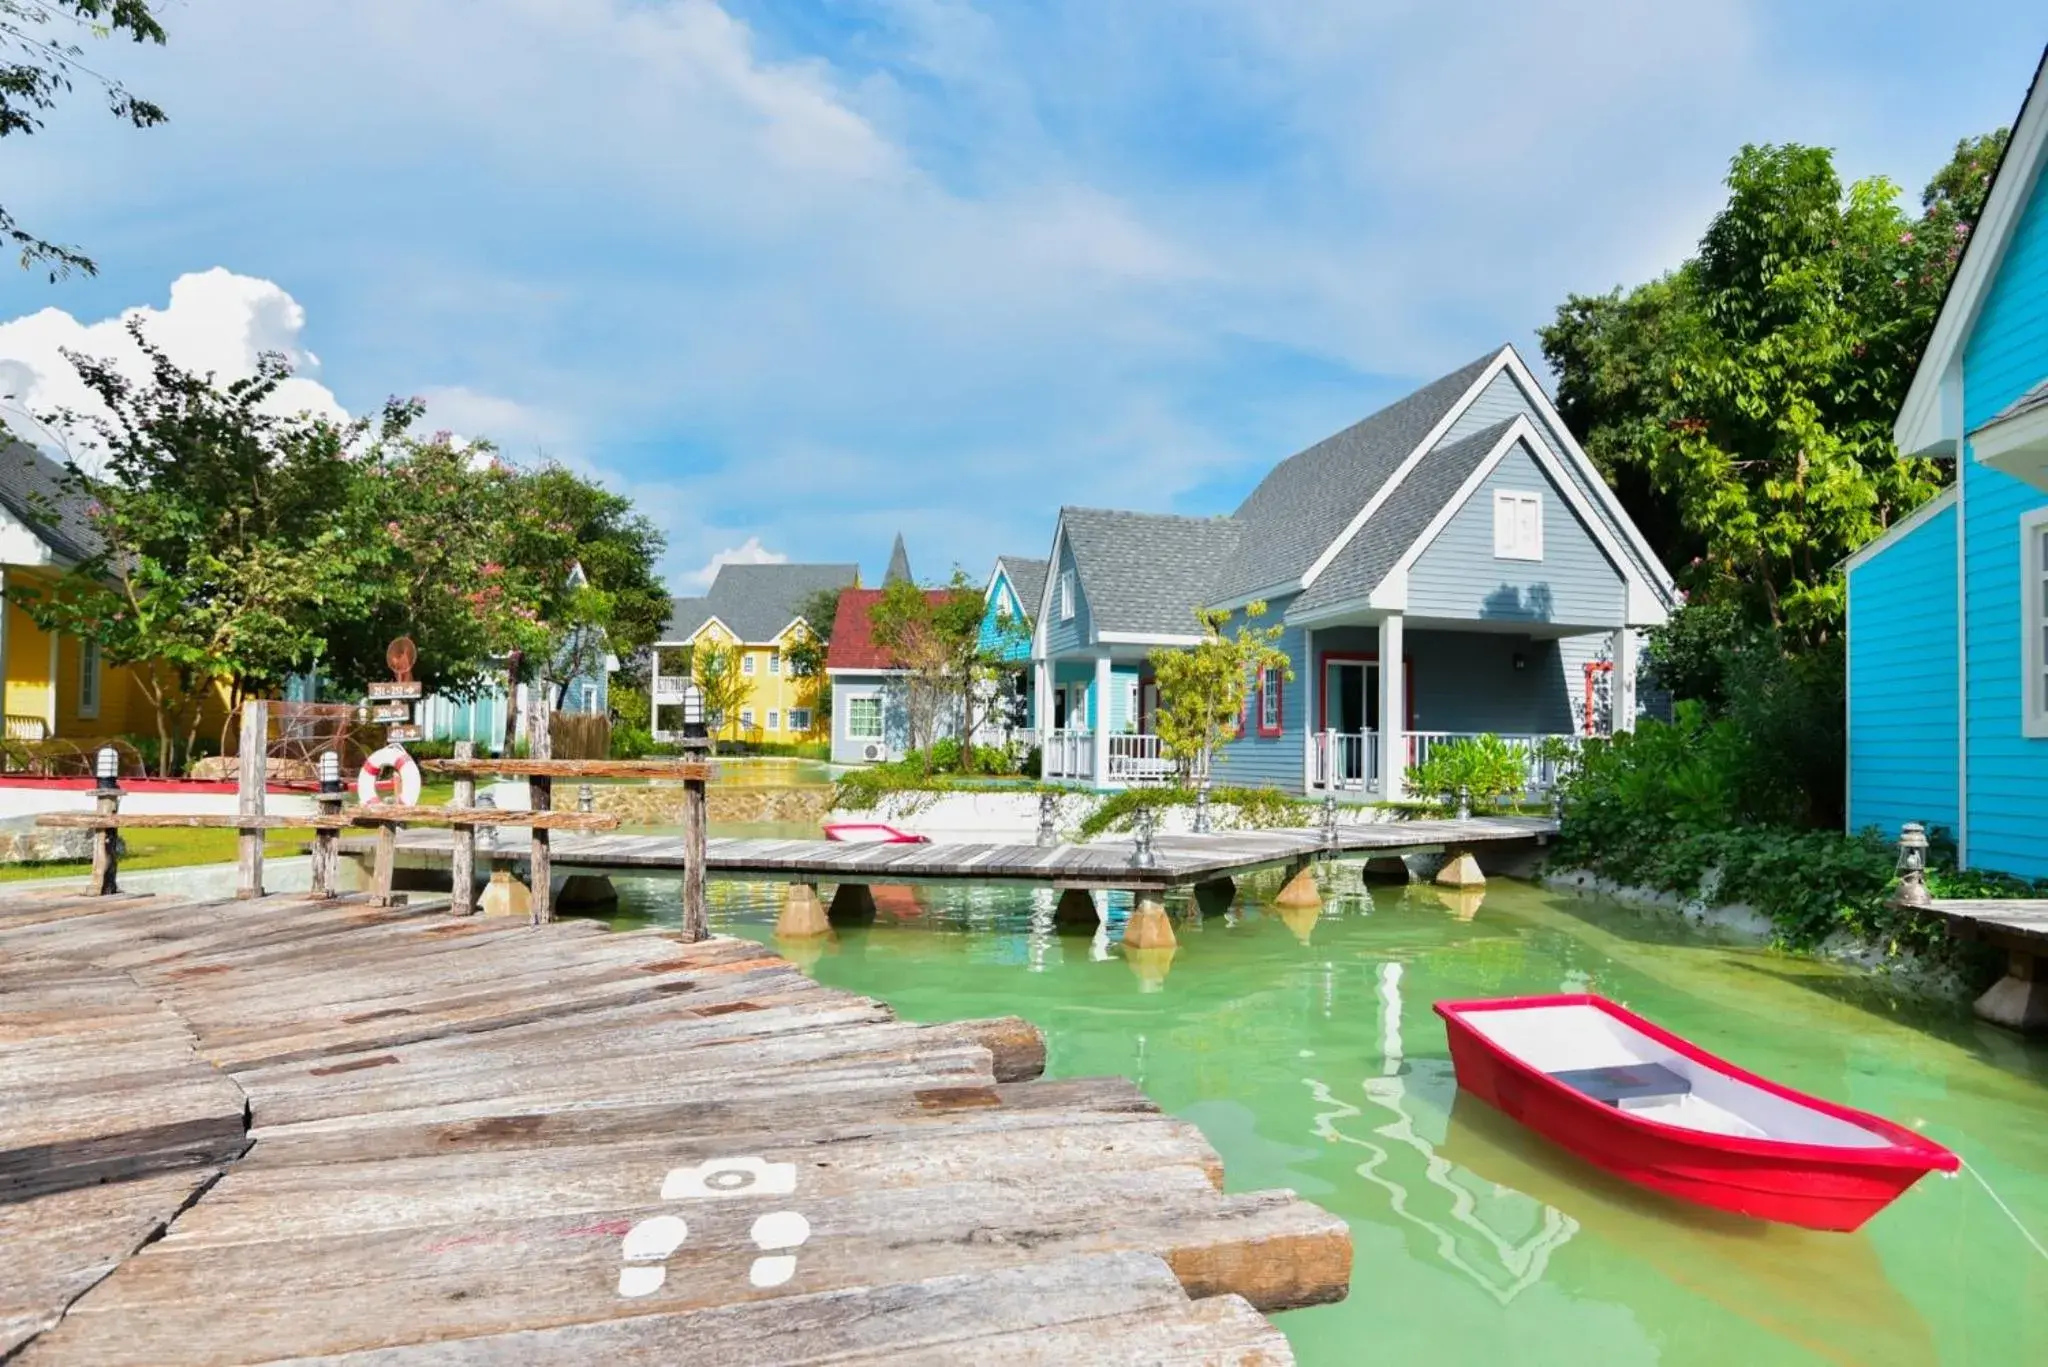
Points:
(2018, 1000)
(1178, 861)
(278, 1128)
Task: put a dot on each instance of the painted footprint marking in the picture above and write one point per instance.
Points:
(647, 1247)
(649, 1244)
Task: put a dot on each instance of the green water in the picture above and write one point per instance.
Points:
(1307, 1052)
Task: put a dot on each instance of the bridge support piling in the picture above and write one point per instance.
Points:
(1077, 911)
(853, 904)
(1460, 870)
(2019, 1000)
(1300, 889)
(1148, 927)
(802, 913)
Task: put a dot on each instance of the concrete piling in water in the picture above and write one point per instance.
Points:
(802, 913)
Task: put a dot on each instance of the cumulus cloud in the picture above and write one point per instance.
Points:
(748, 552)
(217, 322)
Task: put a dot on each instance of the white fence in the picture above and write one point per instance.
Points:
(1137, 760)
(1068, 754)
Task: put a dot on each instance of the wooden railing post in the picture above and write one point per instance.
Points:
(326, 860)
(540, 797)
(696, 916)
(462, 862)
(106, 844)
(252, 772)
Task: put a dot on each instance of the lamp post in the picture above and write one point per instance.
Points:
(1047, 835)
(106, 842)
(1912, 867)
(1330, 819)
(696, 741)
(1141, 843)
(326, 839)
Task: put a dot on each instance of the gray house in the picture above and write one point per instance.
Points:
(1460, 531)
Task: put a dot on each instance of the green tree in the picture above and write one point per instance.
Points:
(951, 667)
(41, 61)
(716, 668)
(806, 653)
(1742, 405)
(1203, 688)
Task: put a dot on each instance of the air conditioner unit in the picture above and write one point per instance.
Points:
(871, 751)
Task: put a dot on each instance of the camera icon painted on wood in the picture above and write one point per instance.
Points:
(718, 1177)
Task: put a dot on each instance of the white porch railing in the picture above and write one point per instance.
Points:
(1068, 754)
(1135, 759)
(1341, 761)
(669, 687)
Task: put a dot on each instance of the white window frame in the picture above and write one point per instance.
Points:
(1066, 595)
(775, 663)
(854, 707)
(746, 718)
(91, 677)
(2034, 623)
(1509, 542)
(747, 663)
(799, 719)
(774, 720)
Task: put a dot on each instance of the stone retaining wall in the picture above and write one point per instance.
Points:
(661, 804)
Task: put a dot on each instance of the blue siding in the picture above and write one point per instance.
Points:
(895, 719)
(1503, 399)
(1457, 575)
(1064, 637)
(1004, 598)
(1902, 681)
(1255, 761)
(1467, 680)
(2007, 354)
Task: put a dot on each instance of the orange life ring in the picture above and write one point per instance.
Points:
(405, 775)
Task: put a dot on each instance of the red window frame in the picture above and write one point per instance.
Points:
(1279, 696)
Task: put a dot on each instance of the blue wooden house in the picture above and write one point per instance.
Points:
(1948, 611)
(1460, 531)
(1015, 585)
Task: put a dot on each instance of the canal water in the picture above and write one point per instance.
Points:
(1305, 1048)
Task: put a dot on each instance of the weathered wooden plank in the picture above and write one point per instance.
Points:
(252, 775)
(539, 767)
(95, 821)
(462, 866)
(399, 814)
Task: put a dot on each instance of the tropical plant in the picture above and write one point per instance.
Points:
(716, 667)
(1481, 768)
(951, 666)
(1203, 688)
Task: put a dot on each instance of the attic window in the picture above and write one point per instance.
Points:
(1517, 525)
(1066, 595)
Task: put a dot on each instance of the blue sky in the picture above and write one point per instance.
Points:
(799, 275)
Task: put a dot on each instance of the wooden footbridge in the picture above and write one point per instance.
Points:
(284, 1128)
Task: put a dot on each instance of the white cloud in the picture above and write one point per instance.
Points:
(748, 552)
(216, 322)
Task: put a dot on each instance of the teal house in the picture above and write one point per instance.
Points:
(1010, 600)
(1948, 611)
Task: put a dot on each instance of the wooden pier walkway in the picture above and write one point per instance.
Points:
(2019, 1000)
(281, 1128)
(1179, 861)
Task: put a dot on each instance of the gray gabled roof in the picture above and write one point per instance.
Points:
(755, 602)
(1306, 501)
(1394, 525)
(1146, 573)
(2034, 398)
(1027, 577)
(38, 491)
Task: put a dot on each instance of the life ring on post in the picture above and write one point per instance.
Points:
(405, 776)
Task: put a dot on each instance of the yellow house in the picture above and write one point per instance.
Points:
(756, 610)
(56, 686)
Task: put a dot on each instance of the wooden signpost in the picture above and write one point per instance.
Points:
(391, 700)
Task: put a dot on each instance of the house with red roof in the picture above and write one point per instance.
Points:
(870, 689)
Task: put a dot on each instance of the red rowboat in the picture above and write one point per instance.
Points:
(1650, 1107)
(871, 833)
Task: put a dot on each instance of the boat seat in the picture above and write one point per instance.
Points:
(1628, 1085)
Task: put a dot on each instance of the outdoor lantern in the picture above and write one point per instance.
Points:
(330, 772)
(1912, 866)
(106, 767)
(693, 711)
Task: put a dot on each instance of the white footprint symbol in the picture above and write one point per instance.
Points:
(646, 1248)
(782, 1229)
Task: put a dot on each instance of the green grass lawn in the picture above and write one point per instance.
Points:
(174, 847)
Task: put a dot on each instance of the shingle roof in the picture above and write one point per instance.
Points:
(1148, 572)
(1305, 502)
(2034, 398)
(1395, 524)
(755, 601)
(853, 632)
(37, 490)
(899, 563)
(1027, 577)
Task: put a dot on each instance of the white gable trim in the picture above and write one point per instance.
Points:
(1931, 417)
(21, 545)
(692, 637)
(1147, 638)
(1422, 448)
(1052, 575)
(1901, 529)
(1645, 606)
(1533, 392)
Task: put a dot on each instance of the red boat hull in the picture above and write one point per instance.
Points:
(1816, 1186)
(872, 833)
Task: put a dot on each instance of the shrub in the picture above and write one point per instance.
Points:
(1232, 808)
(631, 742)
(1483, 768)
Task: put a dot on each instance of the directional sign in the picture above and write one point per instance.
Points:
(407, 732)
(391, 711)
(395, 688)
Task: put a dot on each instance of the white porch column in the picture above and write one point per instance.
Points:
(1101, 710)
(1041, 699)
(1624, 690)
(653, 693)
(1308, 709)
(1393, 712)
